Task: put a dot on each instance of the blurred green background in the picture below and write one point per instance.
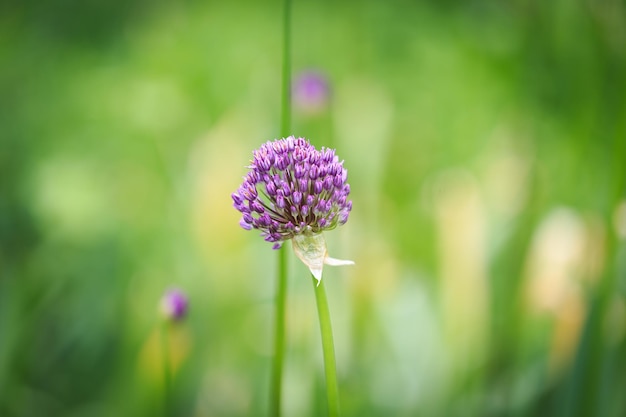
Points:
(486, 148)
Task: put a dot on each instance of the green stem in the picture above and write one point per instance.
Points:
(281, 287)
(330, 370)
(279, 334)
(285, 114)
(167, 372)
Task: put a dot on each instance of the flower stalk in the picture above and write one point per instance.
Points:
(280, 300)
(167, 369)
(279, 334)
(328, 348)
(174, 305)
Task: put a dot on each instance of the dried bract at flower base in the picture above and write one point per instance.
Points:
(311, 250)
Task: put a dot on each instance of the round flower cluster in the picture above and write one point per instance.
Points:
(293, 189)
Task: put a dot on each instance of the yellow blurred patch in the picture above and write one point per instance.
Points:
(151, 357)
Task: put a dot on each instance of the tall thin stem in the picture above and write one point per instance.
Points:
(167, 370)
(281, 285)
(285, 114)
(279, 334)
(328, 347)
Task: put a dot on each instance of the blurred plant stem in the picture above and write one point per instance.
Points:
(281, 285)
(167, 370)
(279, 334)
(328, 347)
(285, 114)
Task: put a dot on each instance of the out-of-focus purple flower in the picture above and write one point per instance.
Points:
(174, 304)
(293, 191)
(310, 92)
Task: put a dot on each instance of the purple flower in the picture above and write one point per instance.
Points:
(174, 304)
(310, 92)
(293, 191)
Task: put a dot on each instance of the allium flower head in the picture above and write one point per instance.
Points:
(293, 191)
(174, 304)
(311, 92)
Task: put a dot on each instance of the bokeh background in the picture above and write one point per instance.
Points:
(486, 148)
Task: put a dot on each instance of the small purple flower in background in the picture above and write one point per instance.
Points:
(310, 92)
(174, 305)
(293, 191)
